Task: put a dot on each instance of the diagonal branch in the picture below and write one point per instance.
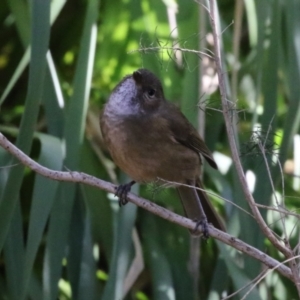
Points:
(231, 137)
(80, 177)
(235, 155)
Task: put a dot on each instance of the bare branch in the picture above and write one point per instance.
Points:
(231, 136)
(80, 177)
(284, 248)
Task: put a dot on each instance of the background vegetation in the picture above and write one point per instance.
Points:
(58, 63)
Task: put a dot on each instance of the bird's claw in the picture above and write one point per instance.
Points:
(121, 191)
(204, 224)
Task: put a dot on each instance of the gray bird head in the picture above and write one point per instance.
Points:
(137, 93)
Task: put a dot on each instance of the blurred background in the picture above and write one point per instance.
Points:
(59, 61)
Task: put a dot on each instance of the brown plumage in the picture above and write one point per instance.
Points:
(150, 139)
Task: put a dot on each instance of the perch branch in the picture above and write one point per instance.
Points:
(80, 177)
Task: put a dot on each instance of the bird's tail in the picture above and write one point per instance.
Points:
(196, 201)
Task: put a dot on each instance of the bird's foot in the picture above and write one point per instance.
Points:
(122, 190)
(204, 225)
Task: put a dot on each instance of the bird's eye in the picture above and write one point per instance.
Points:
(150, 92)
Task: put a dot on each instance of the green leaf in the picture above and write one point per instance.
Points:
(73, 135)
(291, 62)
(20, 11)
(238, 275)
(45, 190)
(161, 274)
(98, 206)
(14, 255)
(122, 250)
(40, 38)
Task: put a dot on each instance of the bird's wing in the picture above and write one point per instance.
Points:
(186, 134)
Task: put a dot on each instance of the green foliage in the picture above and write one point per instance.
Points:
(59, 60)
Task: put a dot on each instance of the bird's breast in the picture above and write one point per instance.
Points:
(144, 148)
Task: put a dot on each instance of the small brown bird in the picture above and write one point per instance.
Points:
(151, 140)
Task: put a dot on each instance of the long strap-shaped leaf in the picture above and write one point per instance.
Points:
(73, 133)
(39, 46)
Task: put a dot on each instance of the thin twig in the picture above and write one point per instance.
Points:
(145, 49)
(251, 283)
(266, 274)
(279, 210)
(262, 149)
(173, 183)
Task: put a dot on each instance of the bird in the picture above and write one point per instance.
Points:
(150, 139)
